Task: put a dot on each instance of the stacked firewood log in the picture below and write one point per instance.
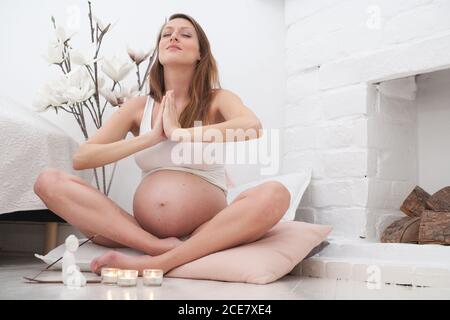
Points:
(427, 220)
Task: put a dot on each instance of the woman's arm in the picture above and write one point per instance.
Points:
(108, 144)
(240, 123)
(92, 155)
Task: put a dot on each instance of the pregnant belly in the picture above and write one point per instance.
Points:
(171, 203)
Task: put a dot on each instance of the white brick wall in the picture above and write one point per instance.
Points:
(343, 193)
(305, 112)
(359, 141)
(302, 85)
(322, 31)
(348, 101)
(397, 61)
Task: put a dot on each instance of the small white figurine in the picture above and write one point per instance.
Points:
(71, 274)
(74, 278)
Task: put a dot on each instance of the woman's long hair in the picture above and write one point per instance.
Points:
(206, 78)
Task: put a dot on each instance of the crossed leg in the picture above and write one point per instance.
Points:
(93, 213)
(245, 220)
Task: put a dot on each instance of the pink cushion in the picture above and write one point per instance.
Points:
(259, 262)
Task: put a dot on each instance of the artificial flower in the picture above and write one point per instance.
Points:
(139, 55)
(115, 69)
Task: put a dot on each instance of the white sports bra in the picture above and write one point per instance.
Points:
(194, 157)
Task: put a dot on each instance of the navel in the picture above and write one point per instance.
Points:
(162, 204)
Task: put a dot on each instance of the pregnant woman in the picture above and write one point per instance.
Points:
(180, 212)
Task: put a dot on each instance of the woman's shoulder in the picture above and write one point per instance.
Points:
(215, 114)
(137, 104)
(134, 103)
(221, 92)
(223, 95)
(138, 100)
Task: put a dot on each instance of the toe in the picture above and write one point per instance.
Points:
(94, 266)
(109, 259)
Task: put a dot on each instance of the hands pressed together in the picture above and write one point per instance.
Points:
(167, 119)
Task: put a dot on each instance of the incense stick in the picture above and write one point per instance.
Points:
(30, 280)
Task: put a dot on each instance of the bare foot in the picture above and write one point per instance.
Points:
(114, 259)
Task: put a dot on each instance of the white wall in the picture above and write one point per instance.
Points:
(335, 51)
(247, 39)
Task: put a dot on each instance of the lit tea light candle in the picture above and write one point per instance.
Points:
(109, 275)
(127, 278)
(152, 277)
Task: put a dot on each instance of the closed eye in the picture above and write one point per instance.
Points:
(168, 34)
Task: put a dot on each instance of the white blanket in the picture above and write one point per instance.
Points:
(30, 143)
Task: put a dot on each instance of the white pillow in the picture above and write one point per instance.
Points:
(295, 182)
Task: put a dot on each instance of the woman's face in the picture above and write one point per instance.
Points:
(180, 33)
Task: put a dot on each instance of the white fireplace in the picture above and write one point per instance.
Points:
(368, 109)
(408, 138)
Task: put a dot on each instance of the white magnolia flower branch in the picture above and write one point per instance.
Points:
(80, 89)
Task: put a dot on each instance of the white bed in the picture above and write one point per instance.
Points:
(29, 143)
